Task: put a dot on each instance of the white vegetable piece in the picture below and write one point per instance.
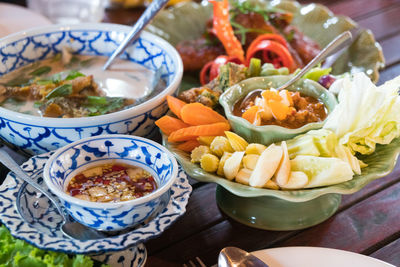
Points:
(250, 161)
(232, 165)
(322, 171)
(282, 175)
(243, 176)
(296, 180)
(266, 166)
(271, 185)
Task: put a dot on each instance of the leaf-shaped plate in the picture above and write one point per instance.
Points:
(188, 20)
(380, 163)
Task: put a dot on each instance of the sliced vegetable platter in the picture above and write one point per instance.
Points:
(380, 164)
(188, 21)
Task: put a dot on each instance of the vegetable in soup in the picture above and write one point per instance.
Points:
(68, 86)
(283, 108)
(112, 182)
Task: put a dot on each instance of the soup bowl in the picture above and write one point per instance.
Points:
(36, 135)
(267, 134)
(81, 155)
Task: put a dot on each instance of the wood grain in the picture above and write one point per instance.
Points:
(357, 228)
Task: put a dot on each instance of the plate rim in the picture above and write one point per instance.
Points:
(312, 249)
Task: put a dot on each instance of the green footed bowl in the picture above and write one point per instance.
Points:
(288, 209)
(268, 134)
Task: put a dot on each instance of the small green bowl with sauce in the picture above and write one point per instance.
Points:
(267, 134)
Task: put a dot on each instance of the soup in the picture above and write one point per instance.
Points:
(67, 86)
(112, 182)
(284, 108)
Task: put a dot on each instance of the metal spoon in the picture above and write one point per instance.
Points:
(236, 257)
(341, 41)
(147, 16)
(69, 228)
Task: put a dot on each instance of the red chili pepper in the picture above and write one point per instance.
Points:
(211, 70)
(222, 28)
(281, 55)
(116, 168)
(267, 36)
(205, 73)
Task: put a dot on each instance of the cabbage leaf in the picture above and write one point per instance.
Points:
(366, 114)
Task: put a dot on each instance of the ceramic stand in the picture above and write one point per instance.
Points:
(271, 213)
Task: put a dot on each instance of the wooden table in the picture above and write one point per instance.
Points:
(367, 222)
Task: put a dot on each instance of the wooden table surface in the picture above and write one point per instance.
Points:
(367, 222)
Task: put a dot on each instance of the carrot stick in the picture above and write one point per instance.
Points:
(198, 114)
(168, 124)
(192, 132)
(175, 105)
(188, 145)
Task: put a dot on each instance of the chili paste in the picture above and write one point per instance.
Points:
(112, 183)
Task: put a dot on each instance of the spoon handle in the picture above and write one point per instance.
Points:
(9, 162)
(338, 43)
(146, 17)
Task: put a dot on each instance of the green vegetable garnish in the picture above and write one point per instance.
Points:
(254, 67)
(103, 105)
(74, 74)
(62, 90)
(44, 82)
(15, 252)
(56, 78)
(19, 81)
(316, 73)
(97, 100)
(40, 71)
(37, 104)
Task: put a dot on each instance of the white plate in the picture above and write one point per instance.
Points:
(316, 257)
(15, 18)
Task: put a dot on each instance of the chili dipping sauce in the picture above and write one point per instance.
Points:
(112, 182)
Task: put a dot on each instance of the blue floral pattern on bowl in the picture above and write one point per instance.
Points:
(35, 135)
(31, 217)
(132, 150)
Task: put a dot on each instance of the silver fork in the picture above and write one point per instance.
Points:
(197, 262)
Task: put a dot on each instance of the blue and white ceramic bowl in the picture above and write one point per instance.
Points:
(66, 162)
(36, 135)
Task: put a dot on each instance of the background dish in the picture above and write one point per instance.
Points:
(11, 22)
(316, 257)
(35, 135)
(42, 229)
(188, 20)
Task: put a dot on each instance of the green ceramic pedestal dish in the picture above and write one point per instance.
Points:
(272, 213)
(288, 209)
(268, 134)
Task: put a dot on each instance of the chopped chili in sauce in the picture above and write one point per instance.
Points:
(111, 183)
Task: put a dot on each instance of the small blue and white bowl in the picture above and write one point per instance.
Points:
(68, 161)
(37, 135)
